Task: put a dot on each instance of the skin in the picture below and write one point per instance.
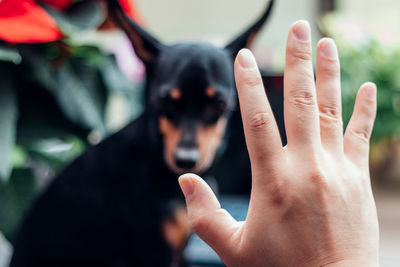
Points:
(311, 201)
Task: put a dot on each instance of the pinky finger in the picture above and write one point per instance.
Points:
(359, 129)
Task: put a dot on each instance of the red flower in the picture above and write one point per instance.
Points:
(129, 7)
(23, 21)
(59, 4)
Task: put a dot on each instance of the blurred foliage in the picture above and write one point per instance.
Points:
(373, 62)
(364, 58)
(15, 197)
(54, 100)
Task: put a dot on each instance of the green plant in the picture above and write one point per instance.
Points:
(364, 58)
(54, 97)
(373, 62)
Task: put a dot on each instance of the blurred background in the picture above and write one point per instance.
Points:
(69, 78)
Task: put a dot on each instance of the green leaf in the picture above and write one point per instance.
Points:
(76, 88)
(86, 15)
(114, 79)
(56, 153)
(15, 198)
(44, 120)
(6, 251)
(379, 64)
(118, 84)
(83, 16)
(19, 157)
(8, 121)
(10, 54)
(78, 101)
(93, 55)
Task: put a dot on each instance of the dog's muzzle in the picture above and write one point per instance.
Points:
(186, 158)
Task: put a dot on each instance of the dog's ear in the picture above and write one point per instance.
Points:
(146, 46)
(245, 39)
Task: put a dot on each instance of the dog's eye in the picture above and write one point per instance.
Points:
(175, 94)
(214, 111)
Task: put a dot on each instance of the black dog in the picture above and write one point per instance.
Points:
(115, 205)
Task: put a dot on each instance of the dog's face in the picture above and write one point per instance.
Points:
(191, 88)
(194, 96)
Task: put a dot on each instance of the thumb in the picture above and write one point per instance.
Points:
(206, 218)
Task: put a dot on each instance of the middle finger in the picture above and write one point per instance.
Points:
(300, 108)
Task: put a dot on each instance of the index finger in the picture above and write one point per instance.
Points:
(261, 132)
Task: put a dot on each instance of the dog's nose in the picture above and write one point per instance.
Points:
(186, 158)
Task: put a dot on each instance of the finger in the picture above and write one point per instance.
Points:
(300, 108)
(359, 129)
(261, 131)
(329, 95)
(206, 218)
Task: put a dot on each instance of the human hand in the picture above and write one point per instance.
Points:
(311, 202)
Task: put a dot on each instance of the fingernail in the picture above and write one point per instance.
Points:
(370, 90)
(186, 184)
(246, 59)
(328, 48)
(301, 30)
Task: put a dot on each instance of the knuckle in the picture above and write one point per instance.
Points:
(277, 194)
(259, 121)
(319, 179)
(317, 176)
(302, 98)
(274, 185)
(272, 182)
(252, 79)
(328, 123)
(330, 110)
(361, 134)
(300, 53)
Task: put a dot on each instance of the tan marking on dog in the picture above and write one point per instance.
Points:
(209, 139)
(171, 136)
(175, 94)
(210, 92)
(176, 230)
